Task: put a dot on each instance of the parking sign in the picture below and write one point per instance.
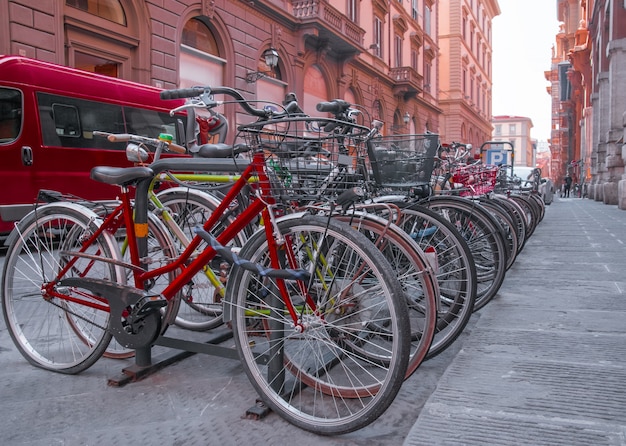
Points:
(496, 157)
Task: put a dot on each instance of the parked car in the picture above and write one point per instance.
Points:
(546, 186)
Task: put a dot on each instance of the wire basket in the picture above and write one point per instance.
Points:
(309, 159)
(403, 162)
(476, 179)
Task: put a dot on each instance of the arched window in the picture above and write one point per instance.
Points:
(197, 35)
(200, 61)
(103, 36)
(107, 9)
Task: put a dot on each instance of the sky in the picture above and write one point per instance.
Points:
(523, 35)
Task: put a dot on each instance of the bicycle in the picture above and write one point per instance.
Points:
(321, 324)
(481, 231)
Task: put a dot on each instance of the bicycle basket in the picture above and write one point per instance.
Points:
(475, 179)
(403, 161)
(309, 159)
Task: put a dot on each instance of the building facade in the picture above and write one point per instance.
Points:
(383, 55)
(465, 42)
(588, 88)
(517, 131)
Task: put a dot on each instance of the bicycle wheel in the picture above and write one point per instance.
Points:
(507, 224)
(484, 238)
(454, 270)
(182, 210)
(309, 372)
(414, 273)
(517, 214)
(51, 332)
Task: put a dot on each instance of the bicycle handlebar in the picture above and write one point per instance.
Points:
(126, 137)
(205, 92)
(336, 106)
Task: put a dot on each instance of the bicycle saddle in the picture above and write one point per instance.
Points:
(217, 150)
(121, 176)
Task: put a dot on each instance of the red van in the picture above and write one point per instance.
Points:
(48, 114)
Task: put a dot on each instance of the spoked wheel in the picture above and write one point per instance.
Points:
(484, 237)
(201, 298)
(341, 363)
(414, 273)
(52, 332)
(454, 268)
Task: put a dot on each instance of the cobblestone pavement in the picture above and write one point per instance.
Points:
(543, 363)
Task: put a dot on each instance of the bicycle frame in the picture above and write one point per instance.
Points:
(137, 232)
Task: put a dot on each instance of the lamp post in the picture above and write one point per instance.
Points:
(406, 118)
(271, 60)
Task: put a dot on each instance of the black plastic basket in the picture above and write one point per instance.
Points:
(403, 162)
(309, 159)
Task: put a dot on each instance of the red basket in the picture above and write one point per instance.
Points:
(476, 179)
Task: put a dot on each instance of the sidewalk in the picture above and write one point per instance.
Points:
(545, 363)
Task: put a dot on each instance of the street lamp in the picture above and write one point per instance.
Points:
(406, 118)
(271, 60)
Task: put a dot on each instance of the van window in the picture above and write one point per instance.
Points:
(70, 122)
(10, 114)
(66, 120)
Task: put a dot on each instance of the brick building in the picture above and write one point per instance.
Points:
(382, 55)
(588, 88)
(465, 42)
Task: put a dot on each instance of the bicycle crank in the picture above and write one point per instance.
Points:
(135, 318)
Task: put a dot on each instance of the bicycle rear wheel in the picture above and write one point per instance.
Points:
(310, 373)
(51, 332)
(484, 237)
(414, 273)
(454, 270)
(201, 299)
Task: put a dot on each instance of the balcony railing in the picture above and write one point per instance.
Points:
(341, 33)
(407, 81)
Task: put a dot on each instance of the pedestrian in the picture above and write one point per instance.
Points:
(567, 185)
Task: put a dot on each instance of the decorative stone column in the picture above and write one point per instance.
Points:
(621, 188)
(602, 128)
(617, 99)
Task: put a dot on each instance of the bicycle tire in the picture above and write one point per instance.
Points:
(508, 225)
(291, 370)
(201, 301)
(517, 213)
(414, 273)
(530, 211)
(455, 271)
(484, 238)
(51, 333)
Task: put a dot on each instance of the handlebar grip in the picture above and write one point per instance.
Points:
(334, 106)
(176, 148)
(119, 137)
(182, 93)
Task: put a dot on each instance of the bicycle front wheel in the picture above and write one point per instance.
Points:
(308, 370)
(64, 334)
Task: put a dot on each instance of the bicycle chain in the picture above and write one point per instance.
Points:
(79, 316)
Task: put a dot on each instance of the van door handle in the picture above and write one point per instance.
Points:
(27, 156)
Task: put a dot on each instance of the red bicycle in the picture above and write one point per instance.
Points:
(319, 319)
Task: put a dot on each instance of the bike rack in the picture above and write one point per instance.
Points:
(145, 366)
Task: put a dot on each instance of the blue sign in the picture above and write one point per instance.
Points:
(496, 157)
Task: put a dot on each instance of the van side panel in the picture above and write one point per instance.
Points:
(54, 147)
